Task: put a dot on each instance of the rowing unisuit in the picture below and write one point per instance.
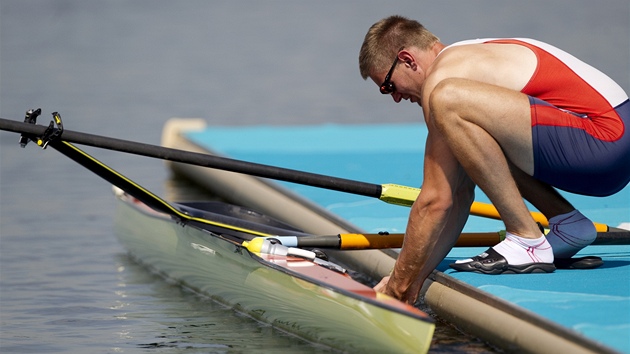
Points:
(579, 119)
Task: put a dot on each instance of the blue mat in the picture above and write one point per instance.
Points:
(595, 303)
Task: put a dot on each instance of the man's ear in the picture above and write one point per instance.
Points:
(407, 58)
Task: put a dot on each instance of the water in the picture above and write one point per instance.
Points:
(121, 69)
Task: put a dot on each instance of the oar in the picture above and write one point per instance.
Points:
(389, 193)
(615, 236)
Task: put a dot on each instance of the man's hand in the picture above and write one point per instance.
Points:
(381, 287)
(409, 296)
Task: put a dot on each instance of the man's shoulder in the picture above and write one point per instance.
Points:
(487, 49)
(470, 41)
(462, 50)
(490, 40)
(510, 66)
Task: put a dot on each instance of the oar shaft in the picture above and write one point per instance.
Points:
(205, 160)
(615, 236)
(361, 241)
(377, 241)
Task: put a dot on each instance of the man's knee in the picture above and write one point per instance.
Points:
(446, 93)
(445, 100)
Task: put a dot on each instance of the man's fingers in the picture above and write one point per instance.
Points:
(380, 287)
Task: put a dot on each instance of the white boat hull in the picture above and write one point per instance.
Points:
(293, 294)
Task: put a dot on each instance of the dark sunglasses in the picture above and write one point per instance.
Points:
(388, 87)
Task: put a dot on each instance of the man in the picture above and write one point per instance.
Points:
(517, 117)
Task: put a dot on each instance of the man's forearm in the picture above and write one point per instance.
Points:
(413, 263)
(430, 235)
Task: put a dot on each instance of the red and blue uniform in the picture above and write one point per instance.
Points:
(580, 120)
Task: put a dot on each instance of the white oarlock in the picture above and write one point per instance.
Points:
(272, 246)
(289, 241)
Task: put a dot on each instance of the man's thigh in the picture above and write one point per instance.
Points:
(505, 114)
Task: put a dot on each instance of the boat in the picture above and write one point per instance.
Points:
(230, 254)
(318, 302)
(576, 311)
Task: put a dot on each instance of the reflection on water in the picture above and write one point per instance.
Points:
(160, 314)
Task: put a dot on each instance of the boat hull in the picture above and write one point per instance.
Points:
(293, 294)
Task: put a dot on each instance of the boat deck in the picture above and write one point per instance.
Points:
(594, 304)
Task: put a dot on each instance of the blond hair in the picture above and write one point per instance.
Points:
(386, 37)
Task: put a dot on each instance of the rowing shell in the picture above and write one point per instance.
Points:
(314, 302)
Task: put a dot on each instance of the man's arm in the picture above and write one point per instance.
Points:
(437, 216)
(435, 221)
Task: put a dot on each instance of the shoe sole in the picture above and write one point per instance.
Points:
(496, 269)
(493, 263)
(588, 262)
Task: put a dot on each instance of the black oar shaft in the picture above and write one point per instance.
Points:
(211, 161)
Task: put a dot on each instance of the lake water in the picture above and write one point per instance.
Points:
(121, 69)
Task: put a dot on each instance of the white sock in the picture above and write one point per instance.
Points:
(569, 233)
(518, 250)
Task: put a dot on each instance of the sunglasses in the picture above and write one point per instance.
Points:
(388, 87)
